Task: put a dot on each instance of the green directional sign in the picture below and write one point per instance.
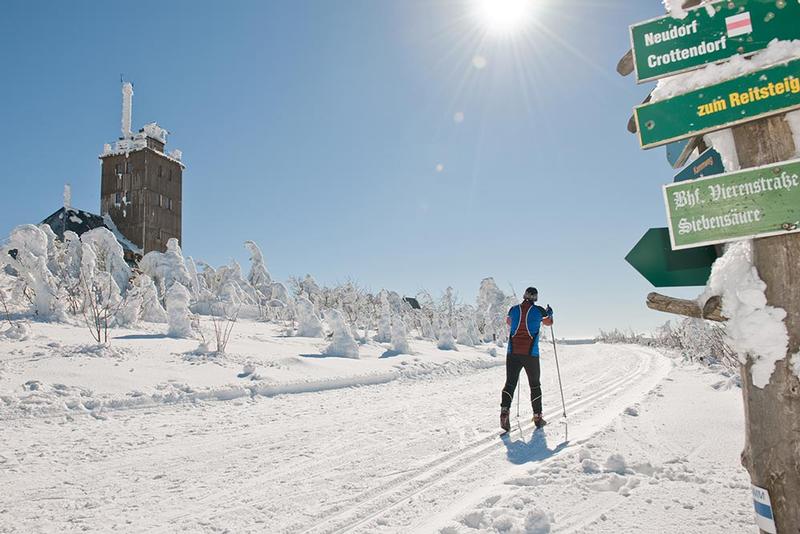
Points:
(757, 202)
(753, 96)
(709, 34)
(654, 258)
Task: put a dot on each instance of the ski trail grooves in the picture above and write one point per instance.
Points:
(233, 499)
(433, 473)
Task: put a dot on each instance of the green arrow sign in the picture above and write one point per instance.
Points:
(709, 34)
(753, 203)
(752, 96)
(655, 260)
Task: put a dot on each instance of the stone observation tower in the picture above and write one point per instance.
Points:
(140, 184)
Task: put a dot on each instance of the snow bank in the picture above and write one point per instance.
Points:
(754, 328)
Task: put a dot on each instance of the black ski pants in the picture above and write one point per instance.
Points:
(514, 364)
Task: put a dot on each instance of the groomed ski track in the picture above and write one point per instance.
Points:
(394, 457)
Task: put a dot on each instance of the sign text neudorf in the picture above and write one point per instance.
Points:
(709, 34)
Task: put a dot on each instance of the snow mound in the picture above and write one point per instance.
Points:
(537, 522)
(753, 327)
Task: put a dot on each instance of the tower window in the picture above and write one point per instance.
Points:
(170, 175)
(118, 168)
(160, 171)
(118, 198)
(128, 167)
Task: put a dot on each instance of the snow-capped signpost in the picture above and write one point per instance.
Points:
(759, 288)
(708, 34)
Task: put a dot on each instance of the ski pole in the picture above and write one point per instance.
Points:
(558, 370)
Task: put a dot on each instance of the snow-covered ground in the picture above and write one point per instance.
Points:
(147, 436)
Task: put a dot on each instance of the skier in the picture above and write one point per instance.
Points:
(523, 353)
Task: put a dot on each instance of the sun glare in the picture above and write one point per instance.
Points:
(504, 16)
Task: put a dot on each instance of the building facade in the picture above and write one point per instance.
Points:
(141, 186)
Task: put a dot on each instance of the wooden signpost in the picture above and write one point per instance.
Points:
(760, 202)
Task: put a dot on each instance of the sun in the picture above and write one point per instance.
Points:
(503, 17)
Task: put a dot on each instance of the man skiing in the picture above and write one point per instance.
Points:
(524, 319)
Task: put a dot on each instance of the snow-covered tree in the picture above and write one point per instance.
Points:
(445, 341)
(467, 332)
(384, 334)
(34, 278)
(493, 306)
(109, 255)
(308, 323)
(179, 316)
(342, 344)
(259, 277)
(152, 311)
(101, 294)
(400, 337)
(166, 268)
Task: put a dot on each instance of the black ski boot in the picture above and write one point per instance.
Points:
(505, 423)
(538, 420)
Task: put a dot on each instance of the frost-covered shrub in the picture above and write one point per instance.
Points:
(493, 307)
(34, 278)
(101, 294)
(152, 311)
(308, 323)
(384, 334)
(179, 317)
(166, 268)
(467, 333)
(445, 341)
(259, 277)
(400, 337)
(109, 255)
(342, 344)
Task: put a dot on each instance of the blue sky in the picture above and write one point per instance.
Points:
(315, 128)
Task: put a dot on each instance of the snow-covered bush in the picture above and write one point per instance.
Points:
(342, 343)
(166, 268)
(467, 332)
(384, 334)
(101, 294)
(35, 280)
(493, 307)
(179, 317)
(259, 277)
(308, 323)
(109, 255)
(152, 311)
(445, 340)
(400, 337)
